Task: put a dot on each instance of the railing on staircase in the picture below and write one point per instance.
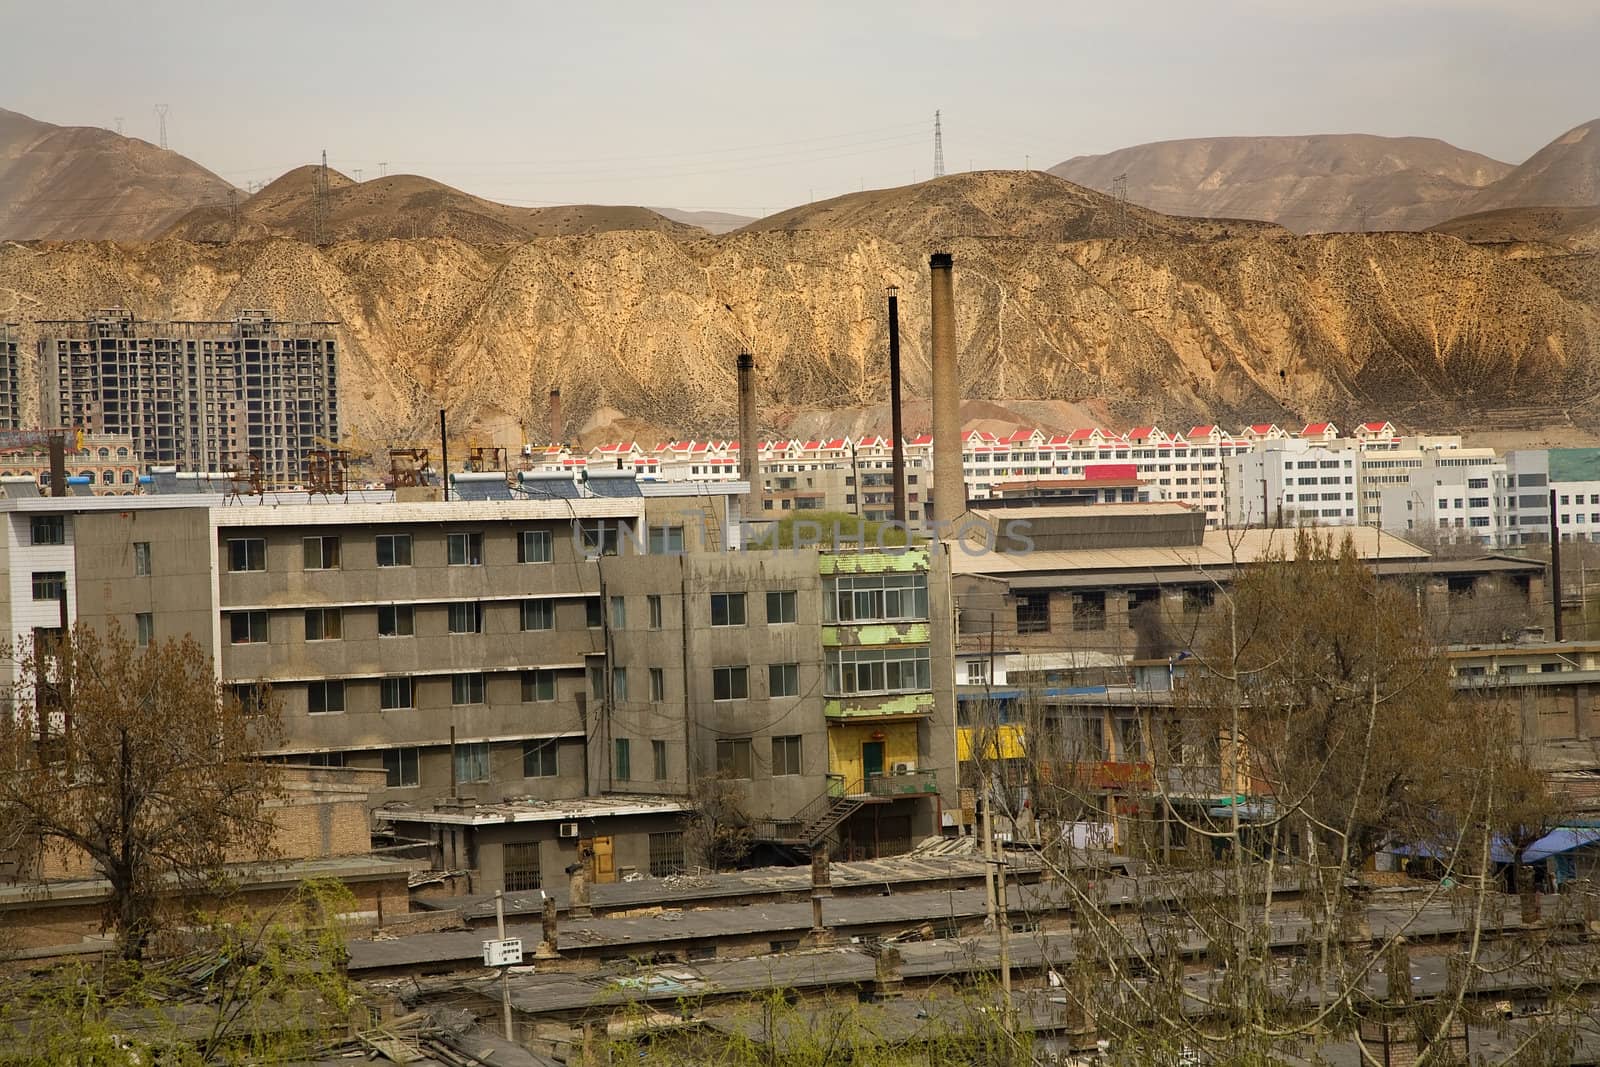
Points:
(843, 799)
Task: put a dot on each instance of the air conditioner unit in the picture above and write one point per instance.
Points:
(903, 768)
(569, 829)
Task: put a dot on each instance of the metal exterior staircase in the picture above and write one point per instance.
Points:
(830, 818)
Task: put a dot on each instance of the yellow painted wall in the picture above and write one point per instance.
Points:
(844, 748)
(1008, 737)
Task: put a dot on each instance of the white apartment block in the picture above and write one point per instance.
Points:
(1572, 474)
(1373, 476)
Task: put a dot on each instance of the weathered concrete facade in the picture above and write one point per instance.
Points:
(548, 650)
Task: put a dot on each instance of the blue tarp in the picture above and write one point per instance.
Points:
(1554, 843)
(1558, 841)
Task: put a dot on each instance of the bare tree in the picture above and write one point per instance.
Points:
(1311, 727)
(140, 761)
(717, 830)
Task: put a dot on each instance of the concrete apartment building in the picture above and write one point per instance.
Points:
(10, 379)
(545, 678)
(198, 395)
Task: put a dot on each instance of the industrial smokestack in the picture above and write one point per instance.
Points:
(58, 464)
(949, 488)
(1555, 564)
(749, 448)
(555, 418)
(899, 449)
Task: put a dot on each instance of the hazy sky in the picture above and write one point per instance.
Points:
(750, 107)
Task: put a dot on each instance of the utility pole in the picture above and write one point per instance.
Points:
(505, 972)
(161, 114)
(938, 147)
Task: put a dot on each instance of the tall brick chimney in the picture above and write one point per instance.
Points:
(557, 430)
(949, 488)
(749, 447)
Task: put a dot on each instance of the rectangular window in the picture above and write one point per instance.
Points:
(977, 672)
(465, 549)
(141, 559)
(396, 620)
(597, 681)
(727, 609)
(533, 546)
(619, 613)
(658, 684)
(622, 765)
(594, 614)
(1033, 613)
(144, 626)
(49, 585)
(658, 760)
(538, 614)
(1089, 610)
(733, 757)
(538, 685)
(247, 627)
(783, 680)
(859, 598)
(781, 605)
(466, 617)
(325, 759)
(655, 611)
(395, 693)
(472, 761)
(321, 553)
(854, 671)
(666, 540)
(252, 696)
(730, 683)
(50, 529)
(666, 853)
(619, 683)
(247, 554)
(1143, 605)
(324, 624)
(466, 688)
(323, 698)
(400, 768)
(786, 755)
(601, 537)
(394, 550)
(520, 866)
(539, 758)
(1198, 598)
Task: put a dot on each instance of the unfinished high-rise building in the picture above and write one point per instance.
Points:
(10, 401)
(197, 395)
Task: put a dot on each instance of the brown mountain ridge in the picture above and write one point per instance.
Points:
(82, 183)
(1173, 323)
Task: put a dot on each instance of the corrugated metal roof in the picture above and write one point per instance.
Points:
(1220, 550)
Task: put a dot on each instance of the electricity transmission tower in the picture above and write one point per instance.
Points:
(1119, 192)
(938, 147)
(119, 125)
(319, 203)
(161, 113)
